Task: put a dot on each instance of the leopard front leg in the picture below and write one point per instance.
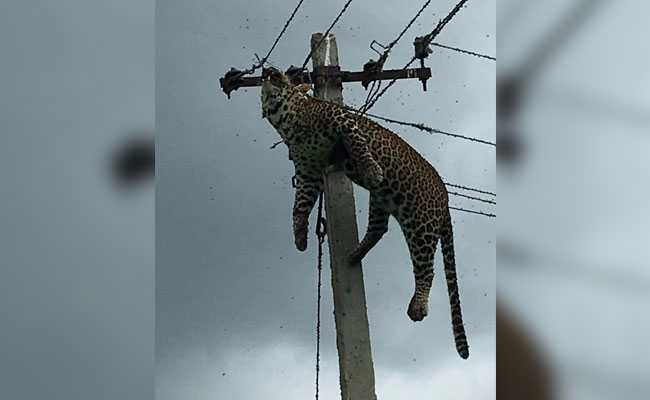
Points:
(309, 184)
(422, 247)
(356, 143)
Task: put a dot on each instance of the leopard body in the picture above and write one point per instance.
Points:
(400, 181)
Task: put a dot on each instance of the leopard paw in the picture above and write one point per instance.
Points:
(301, 242)
(300, 229)
(417, 310)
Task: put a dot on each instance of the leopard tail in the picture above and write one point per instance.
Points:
(447, 239)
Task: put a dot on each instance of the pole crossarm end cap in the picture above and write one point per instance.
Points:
(231, 81)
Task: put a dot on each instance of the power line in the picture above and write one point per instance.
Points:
(473, 211)
(261, 61)
(375, 87)
(428, 129)
(419, 125)
(472, 197)
(327, 32)
(406, 28)
(284, 29)
(471, 53)
(427, 40)
(469, 188)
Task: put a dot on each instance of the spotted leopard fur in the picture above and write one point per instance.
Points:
(400, 181)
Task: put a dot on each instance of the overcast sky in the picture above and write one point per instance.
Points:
(235, 300)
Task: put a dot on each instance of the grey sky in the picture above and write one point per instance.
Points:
(235, 300)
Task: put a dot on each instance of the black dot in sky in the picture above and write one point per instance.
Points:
(133, 161)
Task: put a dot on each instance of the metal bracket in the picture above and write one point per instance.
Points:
(372, 47)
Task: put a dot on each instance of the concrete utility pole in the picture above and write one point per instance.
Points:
(357, 376)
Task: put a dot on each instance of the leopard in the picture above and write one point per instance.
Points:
(401, 184)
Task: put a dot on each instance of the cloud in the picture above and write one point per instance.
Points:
(285, 371)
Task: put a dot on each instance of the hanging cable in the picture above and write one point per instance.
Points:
(321, 232)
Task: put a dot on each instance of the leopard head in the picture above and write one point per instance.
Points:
(276, 88)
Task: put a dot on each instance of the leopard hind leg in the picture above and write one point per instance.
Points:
(377, 226)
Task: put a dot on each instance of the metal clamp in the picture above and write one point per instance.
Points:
(370, 68)
(422, 51)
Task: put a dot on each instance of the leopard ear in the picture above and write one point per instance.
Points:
(304, 87)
